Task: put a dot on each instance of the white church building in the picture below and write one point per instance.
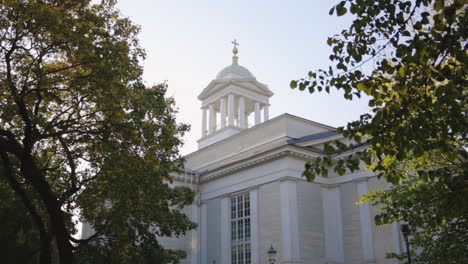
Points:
(251, 195)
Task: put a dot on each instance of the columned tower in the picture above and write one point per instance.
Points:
(232, 102)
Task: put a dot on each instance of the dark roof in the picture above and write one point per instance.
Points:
(311, 137)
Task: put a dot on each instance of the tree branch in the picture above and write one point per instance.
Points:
(44, 237)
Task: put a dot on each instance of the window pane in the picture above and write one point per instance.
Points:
(240, 230)
(234, 255)
(247, 229)
(233, 208)
(240, 207)
(247, 205)
(240, 256)
(233, 231)
(248, 255)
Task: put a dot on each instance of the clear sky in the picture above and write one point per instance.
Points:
(189, 41)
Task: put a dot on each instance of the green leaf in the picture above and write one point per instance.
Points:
(293, 84)
(327, 148)
(439, 4)
(402, 71)
(354, 8)
(341, 10)
(361, 86)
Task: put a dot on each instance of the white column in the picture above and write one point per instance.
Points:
(366, 224)
(225, 231)
(289, 221)
(257, 113)
(254, 239)
(397, 238)
(212, 118)
(333, 225)
(242, 112)
(204, 233)
(223, 112)
(204, 122)
(266, 114)
(231, 110)
(195, 243)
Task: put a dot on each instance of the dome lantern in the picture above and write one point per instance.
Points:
(229, 100)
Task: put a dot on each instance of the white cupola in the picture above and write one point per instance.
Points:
(230, 100)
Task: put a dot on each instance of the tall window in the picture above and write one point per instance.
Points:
(240, 229)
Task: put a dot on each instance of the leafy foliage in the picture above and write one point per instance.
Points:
(435, 208)
(80, 132)
(409, 58)
(19, 242)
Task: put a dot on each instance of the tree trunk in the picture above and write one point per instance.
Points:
(57, 218)
(45, 252)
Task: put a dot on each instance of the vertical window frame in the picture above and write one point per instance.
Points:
(240, 228)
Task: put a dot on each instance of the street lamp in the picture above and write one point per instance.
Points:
(405, 231)
(272, 255)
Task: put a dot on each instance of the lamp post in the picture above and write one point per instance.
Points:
(405, 231)
(272, 255)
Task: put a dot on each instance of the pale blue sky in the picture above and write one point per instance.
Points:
(188, 42)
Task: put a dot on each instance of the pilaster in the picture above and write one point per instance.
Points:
(204, 234)
(195, 241)
(289, 221)
(366, 224)
(225, 231)
(254, 236)
(397, 239)
(333, 225)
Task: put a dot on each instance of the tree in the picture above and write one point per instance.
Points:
(409, 58)
(80, 132)
(19, 242)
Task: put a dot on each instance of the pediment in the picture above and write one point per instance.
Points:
(250, 84)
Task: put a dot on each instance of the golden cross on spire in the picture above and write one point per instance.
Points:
(235, 50)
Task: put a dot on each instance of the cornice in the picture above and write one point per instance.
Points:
(236, 89)
(185, 178)
(284, 151)
(217, 85)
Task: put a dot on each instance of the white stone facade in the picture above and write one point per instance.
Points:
(306, 222)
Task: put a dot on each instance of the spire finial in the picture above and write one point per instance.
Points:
(235, 50)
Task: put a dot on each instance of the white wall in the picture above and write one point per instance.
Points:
(351, 223)
(269, 216)
(329, 222)
(333, 225)
(289, 221)
(311, 227)
(383, 236)
(214, 231)
(182, 242)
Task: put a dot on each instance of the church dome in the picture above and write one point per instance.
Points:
(234, 69)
